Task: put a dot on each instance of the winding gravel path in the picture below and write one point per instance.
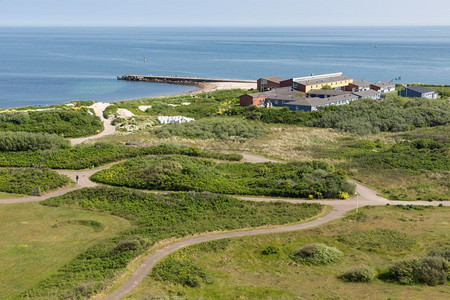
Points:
(98, 108)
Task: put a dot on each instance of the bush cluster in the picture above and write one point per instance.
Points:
(316, 254)
(64, 122)
(395, 114)
(359, 274)
(24, 141)
(181, 173)
(86, 156)
(155, 217)
(431, 269)
(180, 271)
(212, 128)
(27, 181)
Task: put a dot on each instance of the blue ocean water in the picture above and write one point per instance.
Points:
(42, 66)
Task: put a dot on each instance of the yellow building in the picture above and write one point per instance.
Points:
(317, 82)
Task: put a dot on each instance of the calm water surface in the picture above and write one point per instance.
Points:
(42, 66)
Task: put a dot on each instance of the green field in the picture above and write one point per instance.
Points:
(243, 268)
(38, 240)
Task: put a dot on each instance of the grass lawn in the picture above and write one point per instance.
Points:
(237, 268)
(37, 240)
(4, 195)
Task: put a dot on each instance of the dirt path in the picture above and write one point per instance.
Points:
(98, 108)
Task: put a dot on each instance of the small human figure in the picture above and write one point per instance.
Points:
(77, 178)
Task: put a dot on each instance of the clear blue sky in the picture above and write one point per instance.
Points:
(224, 12)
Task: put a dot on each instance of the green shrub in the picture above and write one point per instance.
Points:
(212, 128)
(180, 271)
(271, 250)
(182, 173)
(67, 122)
(24, 141)
(29, 181)
(430, 270)
(317, 254)
(359, 274)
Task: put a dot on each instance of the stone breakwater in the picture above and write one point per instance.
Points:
(180, 80)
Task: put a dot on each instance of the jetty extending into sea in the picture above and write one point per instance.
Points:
(180, 80)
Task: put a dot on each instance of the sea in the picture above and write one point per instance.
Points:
(53, 65)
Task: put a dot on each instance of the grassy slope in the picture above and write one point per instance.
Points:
(32, 248)
(241, 271)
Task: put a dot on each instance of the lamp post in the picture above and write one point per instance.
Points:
(357, 202)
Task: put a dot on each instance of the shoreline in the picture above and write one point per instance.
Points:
(200, 87)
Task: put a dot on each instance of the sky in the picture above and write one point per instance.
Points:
(224, 13)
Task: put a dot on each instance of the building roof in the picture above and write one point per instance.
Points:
(323, 80)
(273, 79)
(366, 94)
(362, 83)
(382, 84)
(419, 89)
(327, 92)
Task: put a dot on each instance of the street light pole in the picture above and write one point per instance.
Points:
(357, 202)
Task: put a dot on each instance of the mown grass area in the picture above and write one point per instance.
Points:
(67, 122)
(181, 173)
(88, 155)
(35, 243)
(154, 217)
(261, 267)
(30, 181)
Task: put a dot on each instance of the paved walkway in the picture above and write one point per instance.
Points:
(98, 108)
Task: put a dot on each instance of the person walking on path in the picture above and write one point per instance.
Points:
(77, 178)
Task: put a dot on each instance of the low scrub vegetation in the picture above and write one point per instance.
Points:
(155, 217)
(30, 181)
(431, 269)
(25, 141)
(212, 128)
(359, 274)
(178, 173)
(316, 254)
(86, 156)
(76, 122)
(394, 114)
(180, 271)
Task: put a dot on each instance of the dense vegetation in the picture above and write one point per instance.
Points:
(86, 156)
(212, 128)
(24, 141)
(317, 254)
(177, 173)
(155, 217)
(275, 115)
(72, 123)
(29, 181)
(394, 114)
(431, 269)
(360, 274)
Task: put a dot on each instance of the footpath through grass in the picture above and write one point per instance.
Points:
(155, 217)
(37, 240)
(262, 267)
